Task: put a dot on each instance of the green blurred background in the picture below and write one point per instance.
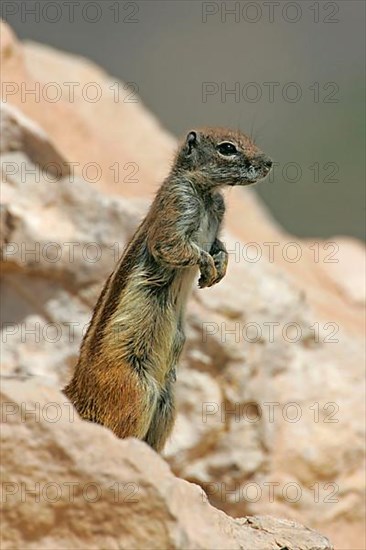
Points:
(172, 49)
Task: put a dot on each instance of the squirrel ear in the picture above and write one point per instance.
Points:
(191, 141)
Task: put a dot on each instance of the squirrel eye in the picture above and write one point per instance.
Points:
(227, 148)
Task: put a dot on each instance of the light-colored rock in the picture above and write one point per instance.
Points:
(348, 273)
(75, 485)
(57, 251)
(19, 133)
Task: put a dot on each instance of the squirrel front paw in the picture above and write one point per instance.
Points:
(208, 271)
(220, 260)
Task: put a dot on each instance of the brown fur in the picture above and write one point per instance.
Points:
(127, 366)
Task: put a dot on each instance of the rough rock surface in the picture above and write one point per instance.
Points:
(126, 498)
(271, 414)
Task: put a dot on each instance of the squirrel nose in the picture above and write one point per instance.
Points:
(263, 161)
(267, 163)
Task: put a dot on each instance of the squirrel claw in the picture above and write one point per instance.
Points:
(204, 282)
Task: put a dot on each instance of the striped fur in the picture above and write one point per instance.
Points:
(127, 365)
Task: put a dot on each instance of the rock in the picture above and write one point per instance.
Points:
(270, 390)
(19, 133)
(129, 163)
(348, 273)
(100, 492)
(57, 252)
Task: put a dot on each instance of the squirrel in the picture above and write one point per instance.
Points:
(125, 375)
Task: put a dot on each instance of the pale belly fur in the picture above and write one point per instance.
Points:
(164, 329)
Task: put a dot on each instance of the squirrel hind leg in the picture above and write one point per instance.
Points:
(162, 421)
(136, 405)
(124, 401)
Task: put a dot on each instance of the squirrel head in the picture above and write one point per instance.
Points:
(218, 157)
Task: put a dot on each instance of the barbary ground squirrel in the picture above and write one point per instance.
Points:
(127, 366)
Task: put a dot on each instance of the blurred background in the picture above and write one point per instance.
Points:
(289, 73)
